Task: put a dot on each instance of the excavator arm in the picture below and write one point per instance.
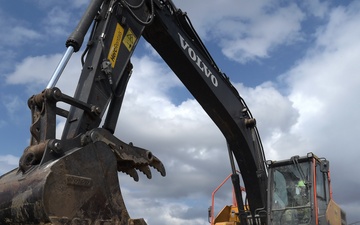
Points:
(74, 179)
(173, 37)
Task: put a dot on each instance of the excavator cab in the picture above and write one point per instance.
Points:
(300, 192)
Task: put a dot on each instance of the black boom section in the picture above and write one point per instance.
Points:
(172, 36)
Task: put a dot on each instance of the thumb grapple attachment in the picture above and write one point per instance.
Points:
(129, 157)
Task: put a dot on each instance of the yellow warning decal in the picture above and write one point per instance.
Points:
(115, 44)
(129, 39)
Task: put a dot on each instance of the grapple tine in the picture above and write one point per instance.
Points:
(129, 157)
(132, 173)
(157, 164)
(145, 170)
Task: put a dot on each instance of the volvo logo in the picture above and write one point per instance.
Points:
(198, 61)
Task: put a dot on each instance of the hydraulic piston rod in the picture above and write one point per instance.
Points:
(60, 68)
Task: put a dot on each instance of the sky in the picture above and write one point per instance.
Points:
(295, 63)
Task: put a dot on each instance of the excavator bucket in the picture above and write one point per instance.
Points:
(81, 187)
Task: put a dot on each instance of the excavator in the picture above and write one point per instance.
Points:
(74, 179)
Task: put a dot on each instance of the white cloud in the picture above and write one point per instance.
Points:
(323, 88)
(20, 34)
(273, 110)
(2, 123)
(15, 32)
(324, 84)
(274, 113)
(256, 37)
(316, 7)
(80, 3)
(57, 21)
(12, 104)
(171, 212)
(247, 31)
(7, 163)
(68, 3)
(35, 72)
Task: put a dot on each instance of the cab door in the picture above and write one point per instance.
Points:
(326, 210)
(321, 190)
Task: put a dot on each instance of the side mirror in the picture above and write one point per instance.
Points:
(324, 166)
(210, 214)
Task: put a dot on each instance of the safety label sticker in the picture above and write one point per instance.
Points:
(115, 44)
(129, 39)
